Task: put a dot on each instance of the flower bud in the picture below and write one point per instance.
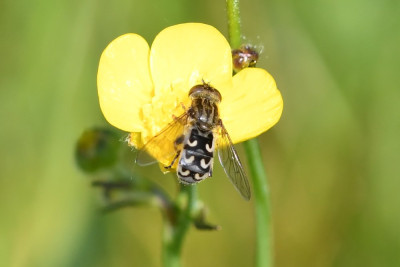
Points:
(97, 148)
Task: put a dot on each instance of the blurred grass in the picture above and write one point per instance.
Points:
(333, 159)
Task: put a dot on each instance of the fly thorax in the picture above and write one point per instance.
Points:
(204, 113)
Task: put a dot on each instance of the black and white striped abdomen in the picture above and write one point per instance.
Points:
(196, 159)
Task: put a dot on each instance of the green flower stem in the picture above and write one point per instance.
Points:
(260, 192)
(235, 37)
(253, 153)
(176, 228)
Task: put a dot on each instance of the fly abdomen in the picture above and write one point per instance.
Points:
(196, 160)
(193, 167)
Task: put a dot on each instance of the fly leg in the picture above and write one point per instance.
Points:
(173, 161)
(177, 142)
(183, 106)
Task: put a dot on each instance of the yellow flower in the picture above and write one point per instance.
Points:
(141, 89)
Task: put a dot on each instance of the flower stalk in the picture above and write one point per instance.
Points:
(254, 159)
(261, 203)
(176, 228)
(235, 37)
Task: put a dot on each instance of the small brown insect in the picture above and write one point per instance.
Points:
(245, 56)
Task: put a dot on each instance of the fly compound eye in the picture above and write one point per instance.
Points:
(205, 91)
(196, 90)
(217, 95)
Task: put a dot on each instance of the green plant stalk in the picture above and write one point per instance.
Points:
(254, 159)
(261, 201)
(175, 229)
(235, 37)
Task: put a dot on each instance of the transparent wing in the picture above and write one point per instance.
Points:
(231, 163)
(164, 145)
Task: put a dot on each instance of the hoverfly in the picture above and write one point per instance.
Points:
(193, 137)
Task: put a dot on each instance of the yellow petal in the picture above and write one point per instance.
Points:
(185, 54)
(135, 140)
(253, 105)
(124, 83)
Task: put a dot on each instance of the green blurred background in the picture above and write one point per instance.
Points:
(333, 159)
